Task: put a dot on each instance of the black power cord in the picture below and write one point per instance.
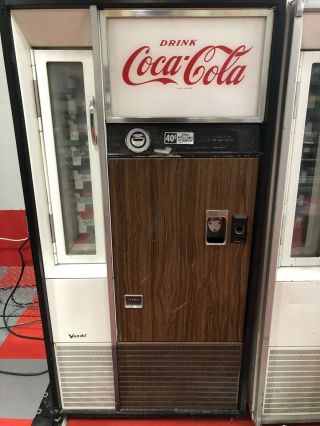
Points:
(20, 304)
(20, 324)
(13, 373)
(11, 295)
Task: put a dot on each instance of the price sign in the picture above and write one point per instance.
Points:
(179, 138)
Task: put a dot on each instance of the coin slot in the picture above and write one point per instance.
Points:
(137, 140)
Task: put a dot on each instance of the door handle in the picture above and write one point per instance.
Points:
(92, 111)
(216, 227)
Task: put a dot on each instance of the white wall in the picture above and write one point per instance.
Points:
(11, 196)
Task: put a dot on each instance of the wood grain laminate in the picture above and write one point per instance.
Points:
(192, 292)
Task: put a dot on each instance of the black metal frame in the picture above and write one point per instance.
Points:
(268, 129)
(27, 185)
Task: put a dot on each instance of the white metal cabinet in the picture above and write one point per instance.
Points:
(291, 387)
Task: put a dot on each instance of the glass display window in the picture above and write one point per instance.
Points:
(66, 92)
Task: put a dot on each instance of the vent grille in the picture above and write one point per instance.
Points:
(293, 382)
(179, 376)
(85, 376)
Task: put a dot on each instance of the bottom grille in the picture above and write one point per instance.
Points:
(179, 376)
(293, 382)
(85, 376)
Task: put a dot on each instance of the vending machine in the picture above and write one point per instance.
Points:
(150, 136)
(287, 381)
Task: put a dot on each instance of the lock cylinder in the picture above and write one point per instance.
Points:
(239, 228)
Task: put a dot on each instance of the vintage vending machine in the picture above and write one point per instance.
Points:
(151, 136)
(287, 383)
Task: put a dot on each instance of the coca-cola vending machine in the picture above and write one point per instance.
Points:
(149, 145)
(188, 148)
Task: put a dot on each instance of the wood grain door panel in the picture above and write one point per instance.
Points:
(192, 292)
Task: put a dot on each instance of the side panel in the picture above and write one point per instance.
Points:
(191, 291)
(79, 310)
(295, 315)
(291, 387)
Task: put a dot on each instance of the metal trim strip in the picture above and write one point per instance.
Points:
(102, 144)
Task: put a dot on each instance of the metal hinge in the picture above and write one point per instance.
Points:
(299, 8)
(296, 99)
(51, 222)
(53, 235)
(35, 87)
(41, 136)
(297, 90)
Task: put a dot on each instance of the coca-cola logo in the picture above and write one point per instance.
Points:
(211, 64)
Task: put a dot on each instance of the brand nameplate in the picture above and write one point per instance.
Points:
(213, 67)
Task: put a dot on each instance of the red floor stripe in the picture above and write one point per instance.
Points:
(17, 348)
(158, 422)
(15, 422)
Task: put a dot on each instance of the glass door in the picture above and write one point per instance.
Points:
(302, 226)
(66, 92)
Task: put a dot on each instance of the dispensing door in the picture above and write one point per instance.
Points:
(182, 229)
(174, 282)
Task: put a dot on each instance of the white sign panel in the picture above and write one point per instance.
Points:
(208, 68)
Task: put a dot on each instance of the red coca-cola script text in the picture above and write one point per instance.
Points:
(200, 68)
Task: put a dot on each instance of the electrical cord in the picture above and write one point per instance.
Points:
(20, 324)
(6, 326)
(13, 305)
(13, 239)
(13, 373)
(14, 311)
(17, 240)
(23, 304)
(11, 295)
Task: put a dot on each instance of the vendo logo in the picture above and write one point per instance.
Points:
(212, 64)
(77, 336)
